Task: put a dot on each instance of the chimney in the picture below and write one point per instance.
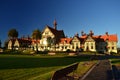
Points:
(107, 33)
(91, 33)
(28, 37)
(82, 33)
(77, 34)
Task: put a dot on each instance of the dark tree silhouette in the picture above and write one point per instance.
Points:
(12, 33)
(36, 34)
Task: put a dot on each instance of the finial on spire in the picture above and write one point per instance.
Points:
(55, 24)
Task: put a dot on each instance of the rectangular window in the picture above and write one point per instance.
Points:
(91, 47)
(65, 47)
(62, 47)
(73, 47)
(113, 48)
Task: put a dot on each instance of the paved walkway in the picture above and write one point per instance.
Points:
(102, 71)
(116, 72)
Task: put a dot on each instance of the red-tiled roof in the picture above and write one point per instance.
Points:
(99, 38)
(65, 40)
(83, 37)
(35, 41)
(110, 37)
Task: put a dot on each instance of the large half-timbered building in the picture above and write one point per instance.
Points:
(54, 40)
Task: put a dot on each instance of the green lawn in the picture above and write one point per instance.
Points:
(115, 61)
(15, 67)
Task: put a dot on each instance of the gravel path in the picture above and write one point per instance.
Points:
(102, 71)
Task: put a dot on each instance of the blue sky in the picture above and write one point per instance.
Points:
(72, 16)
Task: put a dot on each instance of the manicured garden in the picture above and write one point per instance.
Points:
(15, 67)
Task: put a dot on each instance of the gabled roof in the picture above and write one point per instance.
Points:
(56, 32)
(97, 38)
(89, 38)
(110, 37)
(76, 37)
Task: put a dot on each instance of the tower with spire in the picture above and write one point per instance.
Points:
(55, 24)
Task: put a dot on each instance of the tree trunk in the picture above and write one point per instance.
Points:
(36, 47)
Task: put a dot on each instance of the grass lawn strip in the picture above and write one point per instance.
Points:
(115, 62)
(83, 67)
(23, 73)
(25, 67)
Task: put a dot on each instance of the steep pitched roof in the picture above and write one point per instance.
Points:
(56, 32)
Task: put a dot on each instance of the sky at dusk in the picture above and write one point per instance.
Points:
(72, 16)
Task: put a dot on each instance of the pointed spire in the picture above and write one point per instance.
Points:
(55, 24)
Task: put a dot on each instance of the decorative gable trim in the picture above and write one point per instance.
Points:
(89, 39)
(47, 27)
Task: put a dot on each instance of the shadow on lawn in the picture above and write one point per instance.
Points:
(20, 62)
(13, 62)
(108, 57)
(115, 61)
